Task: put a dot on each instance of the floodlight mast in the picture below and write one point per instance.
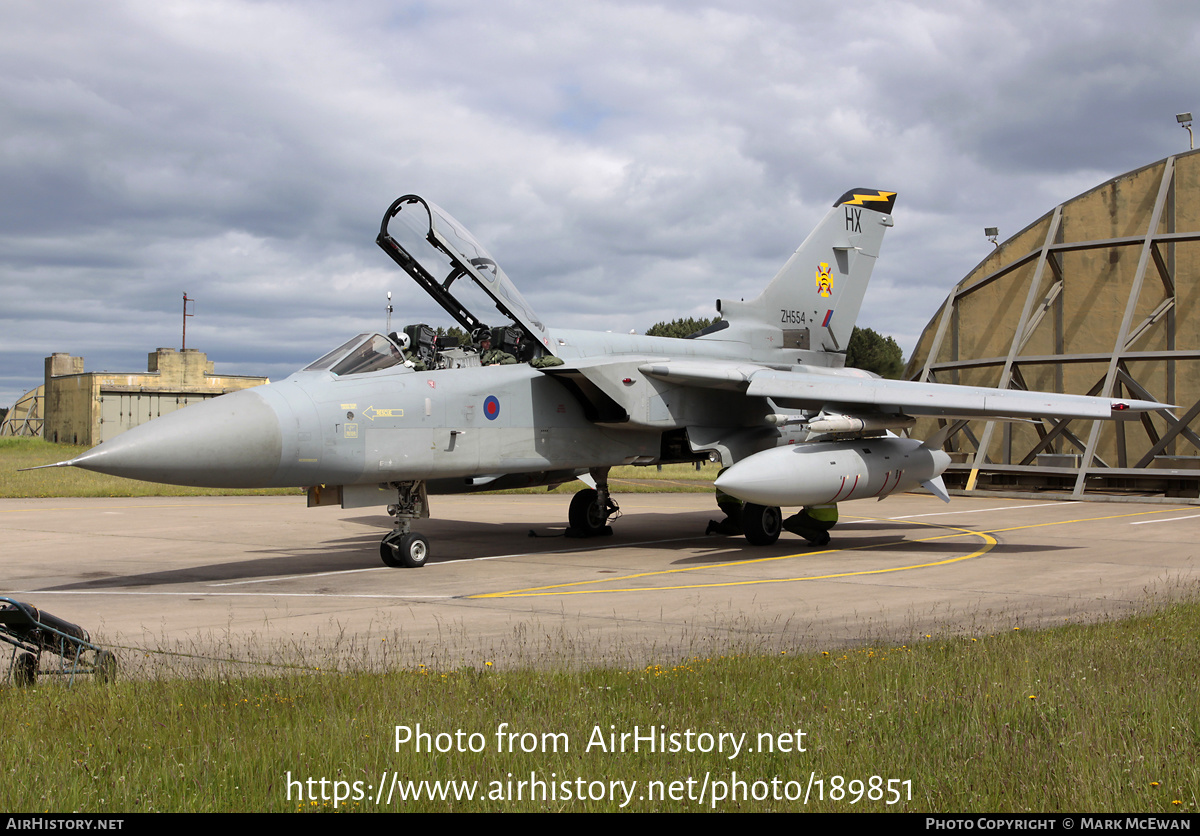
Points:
(1185, 121)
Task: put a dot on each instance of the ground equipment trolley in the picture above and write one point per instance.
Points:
(33, 632)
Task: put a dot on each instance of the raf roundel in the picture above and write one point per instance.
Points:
(491, 407)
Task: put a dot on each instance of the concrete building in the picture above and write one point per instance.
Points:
(90, 407)
(1099, 296)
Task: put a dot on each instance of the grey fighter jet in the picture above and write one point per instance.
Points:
(390, 419)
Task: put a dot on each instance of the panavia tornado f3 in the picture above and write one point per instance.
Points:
(390, 419)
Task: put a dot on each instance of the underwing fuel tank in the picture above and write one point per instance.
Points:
(824, 472)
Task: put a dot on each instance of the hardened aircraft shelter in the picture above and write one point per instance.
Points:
(1099, 296)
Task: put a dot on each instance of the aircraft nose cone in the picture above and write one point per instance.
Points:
(232, 441)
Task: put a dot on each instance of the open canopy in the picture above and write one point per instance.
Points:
(437, 251)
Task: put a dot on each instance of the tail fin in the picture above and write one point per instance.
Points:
(814, 300)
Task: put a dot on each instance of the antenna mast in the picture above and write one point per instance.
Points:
(185, 317)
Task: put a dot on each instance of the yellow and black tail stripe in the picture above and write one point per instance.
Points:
(871, 198)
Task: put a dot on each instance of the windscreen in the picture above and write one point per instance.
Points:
(364, 353)
(332, 357)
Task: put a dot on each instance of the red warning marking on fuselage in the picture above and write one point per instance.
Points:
(884, 489)
(837, 497)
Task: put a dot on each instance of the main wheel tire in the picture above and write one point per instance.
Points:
(761, 524)
(586, 513)
(25, 670)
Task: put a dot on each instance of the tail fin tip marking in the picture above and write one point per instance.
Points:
(871, 198)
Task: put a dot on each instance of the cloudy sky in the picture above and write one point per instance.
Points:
(625, 162)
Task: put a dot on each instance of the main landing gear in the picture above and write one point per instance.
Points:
(591, 509)
(762, 524)
(403, 547)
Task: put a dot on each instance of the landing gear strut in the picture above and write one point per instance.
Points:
(592, 509)
(404, 548)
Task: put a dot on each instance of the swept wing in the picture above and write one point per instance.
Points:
(819, 389)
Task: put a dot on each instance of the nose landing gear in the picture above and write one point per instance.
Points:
(403, 547)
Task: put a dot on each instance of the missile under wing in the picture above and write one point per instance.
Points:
(391, 419)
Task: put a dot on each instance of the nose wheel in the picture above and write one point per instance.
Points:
(404, 551)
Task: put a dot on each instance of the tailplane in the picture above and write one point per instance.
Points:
(813, 302)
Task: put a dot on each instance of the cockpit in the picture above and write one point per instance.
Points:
(420, 348)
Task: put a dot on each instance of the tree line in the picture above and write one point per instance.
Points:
(868, 349)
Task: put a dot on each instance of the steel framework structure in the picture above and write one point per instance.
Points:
(25, 417)
(1092, 320)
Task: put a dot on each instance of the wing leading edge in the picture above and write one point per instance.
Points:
(817, 389)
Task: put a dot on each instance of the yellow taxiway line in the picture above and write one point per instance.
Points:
(988, 543)
(562, 589)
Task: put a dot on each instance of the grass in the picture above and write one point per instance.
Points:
(1098, 718)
